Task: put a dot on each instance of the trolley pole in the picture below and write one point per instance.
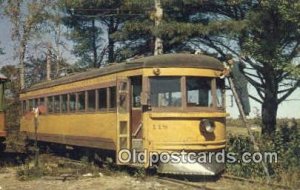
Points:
(243, 116)
(158, 49)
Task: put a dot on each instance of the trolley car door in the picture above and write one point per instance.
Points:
(136, 113)
(123, 119)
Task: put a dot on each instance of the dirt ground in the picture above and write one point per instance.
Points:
(118, 181)
(60, 173)
(8, 181)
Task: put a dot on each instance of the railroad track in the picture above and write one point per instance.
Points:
(255, 182)
(184, 183)
(201, 186)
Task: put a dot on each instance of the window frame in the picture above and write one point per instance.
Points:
(109, 98)
(178, 108)
(184, 106)
(87, 95)
(104, 109)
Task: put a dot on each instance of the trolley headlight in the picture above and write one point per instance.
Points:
(207, 125)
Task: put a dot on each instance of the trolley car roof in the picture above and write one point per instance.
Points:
(161, 61)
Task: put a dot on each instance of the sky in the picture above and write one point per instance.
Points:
(287, 109)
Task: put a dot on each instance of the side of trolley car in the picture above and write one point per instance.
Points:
(166, 103)
(3, 132)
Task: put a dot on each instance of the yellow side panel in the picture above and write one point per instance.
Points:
(182, 133)
(2, 125)
(183, 72)
(88, 125)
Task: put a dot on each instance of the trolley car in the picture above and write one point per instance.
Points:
(3, 79)
(165, 103)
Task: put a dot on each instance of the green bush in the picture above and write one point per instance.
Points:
(285, 142)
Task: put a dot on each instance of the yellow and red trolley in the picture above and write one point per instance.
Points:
(3, 132)
(163, 104)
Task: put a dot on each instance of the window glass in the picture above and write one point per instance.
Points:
(220, 93)
(112, 98)
(72, 102)
(91, 100)
(165, 91)
(64, 103)
(81, 101)
(30, 104)
(41, 101)
(24, 106)
(136, 92)
(50, 104)
(123, 96)
(102, 99)
(199, 91)
(56, 104)
(35, 102)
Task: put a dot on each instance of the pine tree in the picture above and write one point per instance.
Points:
(264, 35)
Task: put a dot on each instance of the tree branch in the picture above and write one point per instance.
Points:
(253, 82)
(256, 99)
(289, 92)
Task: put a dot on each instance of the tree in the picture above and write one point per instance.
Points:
(264, 35)
(90, 22)
(11, 72)
(1, 51)
(25, 18)
(268, 44)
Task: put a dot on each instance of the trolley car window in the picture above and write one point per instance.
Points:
(136, 92)
(72, 102)
(24, 106)
(31, 104)
(35, 103)
(64, 103)
(102, 99)
(81, 101)
(199, 92)
(50, 104)
(112, 97)
(56, 104)
(220, 93)
(165, 91)
(91, 100)
(41, 101)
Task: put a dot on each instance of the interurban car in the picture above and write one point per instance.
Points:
(164, 104)
(3, 131)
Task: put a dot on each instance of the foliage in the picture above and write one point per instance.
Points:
(285, 142)
(264, 35)
(26, 18)
(1, 50)
(91, 27)
(12, 85)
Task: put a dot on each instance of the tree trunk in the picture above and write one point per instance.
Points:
(95, 54)
(21, 63)
(269, 114)
(111, 42)
(111, 47)
(269, 106)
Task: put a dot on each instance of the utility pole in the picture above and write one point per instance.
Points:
(158, 49)
(48, 66)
